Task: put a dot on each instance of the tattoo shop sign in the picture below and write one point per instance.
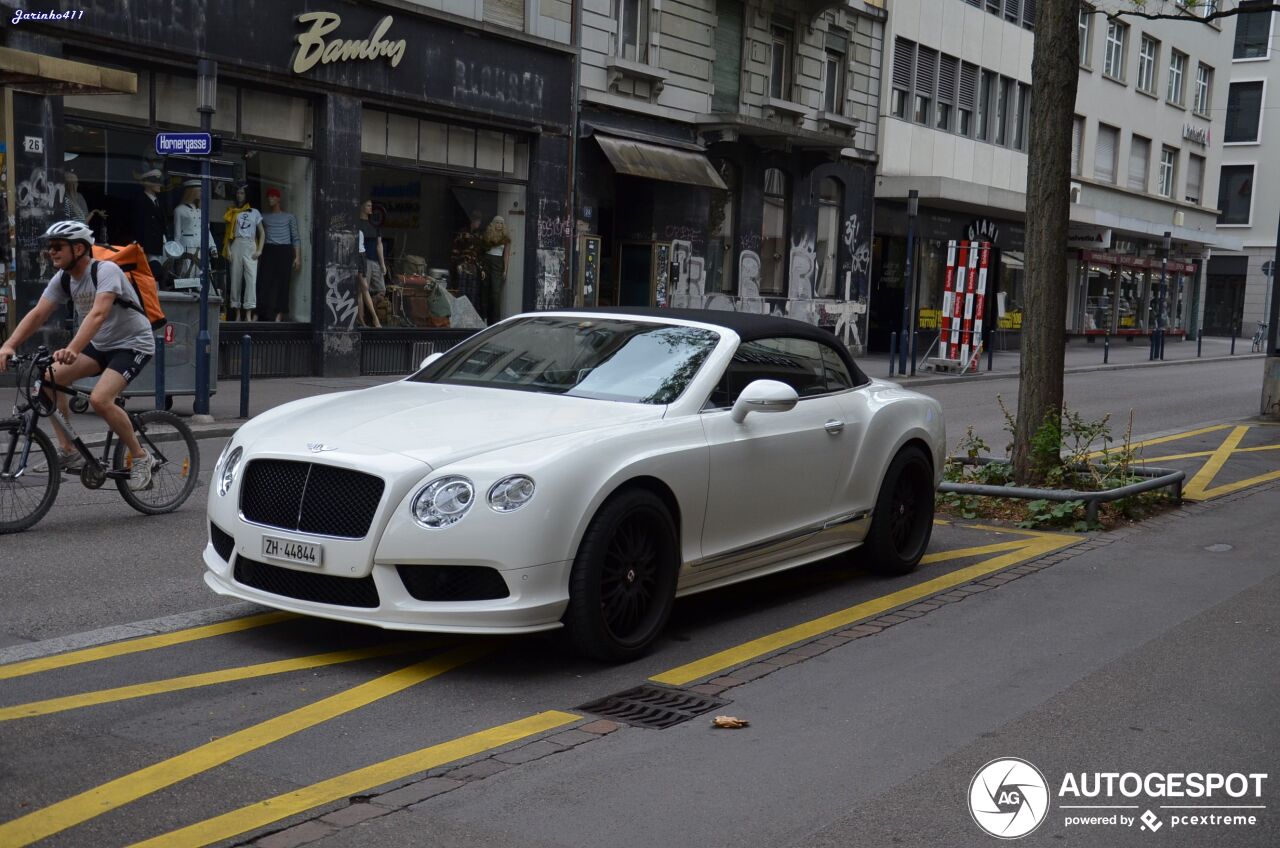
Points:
(316, 48)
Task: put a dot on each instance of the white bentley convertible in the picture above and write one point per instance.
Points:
(579, 469)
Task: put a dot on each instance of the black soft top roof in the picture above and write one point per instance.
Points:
(748, 326)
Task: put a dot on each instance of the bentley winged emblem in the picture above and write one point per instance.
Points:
(318, 447)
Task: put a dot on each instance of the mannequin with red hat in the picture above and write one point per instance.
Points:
(281, 257)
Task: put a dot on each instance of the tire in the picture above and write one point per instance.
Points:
(162, 434)
(623, 583)
(25, 500)
(902, 521)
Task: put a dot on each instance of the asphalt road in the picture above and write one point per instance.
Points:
(1144, 652)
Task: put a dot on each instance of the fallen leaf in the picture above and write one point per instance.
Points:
(729, 722)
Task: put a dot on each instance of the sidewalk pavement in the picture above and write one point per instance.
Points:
(1081, 356)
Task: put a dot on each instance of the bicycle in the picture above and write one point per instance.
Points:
(30, 466)
(1260, 336)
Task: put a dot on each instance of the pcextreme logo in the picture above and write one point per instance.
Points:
(1009, 798)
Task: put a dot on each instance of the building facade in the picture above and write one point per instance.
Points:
(1240, 282)
(1144, 162)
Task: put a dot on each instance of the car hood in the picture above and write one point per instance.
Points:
(437, 424)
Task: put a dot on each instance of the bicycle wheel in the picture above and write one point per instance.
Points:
(26, 497)
(177, 455)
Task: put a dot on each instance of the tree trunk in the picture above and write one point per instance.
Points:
(1055, 71)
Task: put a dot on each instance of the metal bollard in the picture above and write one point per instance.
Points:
(1199, 341)
(246, 360)
(158, 365)
(893, 351)
(1106, 348)
(1234, 331)
(991, 350)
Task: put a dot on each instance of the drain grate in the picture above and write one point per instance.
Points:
(652, 706)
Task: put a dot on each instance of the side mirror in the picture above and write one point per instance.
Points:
(430, 359)
(764, 396)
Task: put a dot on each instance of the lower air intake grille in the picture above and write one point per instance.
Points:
(305, 585)
(222, 541)
(453, 582)
(652, 706)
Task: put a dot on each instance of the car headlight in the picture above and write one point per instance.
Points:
(443, 502)
(510, 493)
(227, 473)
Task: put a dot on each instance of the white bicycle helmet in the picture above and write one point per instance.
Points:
(69, 231)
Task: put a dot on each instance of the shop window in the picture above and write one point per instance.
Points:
(1009, 298)
(275, 117)
(721, 257)
(402, 137)
(775, 241)
(462, 147)
(433, 142)
(489, 150)
(125, 107)
(830, 204)
(1235, 195)
(176, 100)
(373, 133)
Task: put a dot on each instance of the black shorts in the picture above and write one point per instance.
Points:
(129, 363)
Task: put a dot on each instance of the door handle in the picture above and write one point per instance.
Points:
(833, 426)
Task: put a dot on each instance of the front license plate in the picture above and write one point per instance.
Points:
(302, 553)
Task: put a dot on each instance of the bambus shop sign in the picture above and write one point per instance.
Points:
(316, 48)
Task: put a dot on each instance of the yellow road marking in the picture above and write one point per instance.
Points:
(145, 643)
(211, 678)
(1228, 488)
(354, 782)
(124, 790)
(1043, 543)
(1162, 439)
(1195, 489)
(1200, 454)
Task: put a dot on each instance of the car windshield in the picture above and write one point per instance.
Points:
(603, 358)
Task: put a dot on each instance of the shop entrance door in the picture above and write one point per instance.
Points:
(635, 273)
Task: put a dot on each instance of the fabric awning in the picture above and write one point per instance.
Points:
(40, 74)
(656, 162)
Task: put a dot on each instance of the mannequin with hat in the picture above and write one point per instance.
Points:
(281, 257)
(148, 215)
(186, 221)
(242, 244)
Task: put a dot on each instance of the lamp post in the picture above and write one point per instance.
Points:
(908, 287)
(206, 103)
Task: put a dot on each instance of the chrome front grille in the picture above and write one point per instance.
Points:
(309, 497)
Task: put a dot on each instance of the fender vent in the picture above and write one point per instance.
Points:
(652, 706)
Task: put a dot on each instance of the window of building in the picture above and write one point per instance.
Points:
(1012, 12)
(1244, 112)
(904, 74)
(1235, 195)
(1195, 178)
(1168, 170)
(1253, 33)
(722, 226)
(834, 72)
(1024, 111)
(1104, 154)
(1113, 62)
(1177, 77)
(633, 30)
(986, 94)
(830, 206)
(1086, 35)
(1147, 55)
(780, 62)
(926, 76)
(967, 99)
(1077, 144)
(1005, 104)
(1139, 163)
(1204, 89)
(948, 71)
(774, 240)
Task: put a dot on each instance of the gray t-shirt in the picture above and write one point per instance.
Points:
(124, 328)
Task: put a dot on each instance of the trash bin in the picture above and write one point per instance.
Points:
(182, 309)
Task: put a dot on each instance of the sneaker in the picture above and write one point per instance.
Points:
(67, 461)
(140, 472)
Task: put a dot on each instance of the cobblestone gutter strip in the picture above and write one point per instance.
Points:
(445, 779)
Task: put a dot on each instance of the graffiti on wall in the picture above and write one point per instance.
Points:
(339, 282)
(38, 192)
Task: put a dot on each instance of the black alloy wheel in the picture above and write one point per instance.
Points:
(902, 522)
(623, 582)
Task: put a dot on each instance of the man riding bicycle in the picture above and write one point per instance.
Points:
(114, 341)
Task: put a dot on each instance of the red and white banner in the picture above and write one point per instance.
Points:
(964, 300)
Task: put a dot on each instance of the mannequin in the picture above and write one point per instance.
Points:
(243, 244)
(497, 258)
(148, 215)
(373, 278)
(74, 205)
(186, 222)
(281, 257)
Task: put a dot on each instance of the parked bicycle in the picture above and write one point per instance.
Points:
(30, 467)
(1260, 337)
